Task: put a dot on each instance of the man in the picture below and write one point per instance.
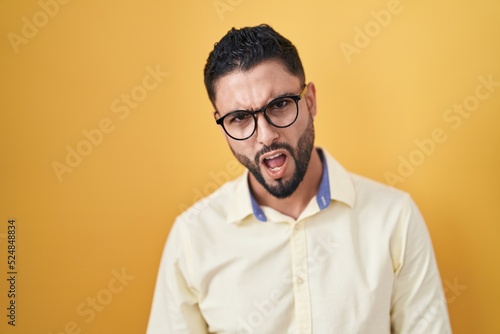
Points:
(296, 244)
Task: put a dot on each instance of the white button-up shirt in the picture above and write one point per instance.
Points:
(358, 260)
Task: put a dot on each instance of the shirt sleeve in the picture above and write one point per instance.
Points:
(175, 303)
(418, 302)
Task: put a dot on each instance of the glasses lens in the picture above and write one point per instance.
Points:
(282, 112)
(239, 124)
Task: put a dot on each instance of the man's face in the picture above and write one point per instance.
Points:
(276, 157)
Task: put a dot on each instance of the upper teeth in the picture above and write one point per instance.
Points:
(273, 156)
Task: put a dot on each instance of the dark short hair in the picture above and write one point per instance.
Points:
(243, 49)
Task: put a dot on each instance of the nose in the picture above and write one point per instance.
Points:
(265, 132)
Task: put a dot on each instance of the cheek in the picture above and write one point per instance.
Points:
(239, 148)
(298, 129)
(305, 119)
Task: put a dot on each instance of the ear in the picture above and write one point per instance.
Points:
(310, 99)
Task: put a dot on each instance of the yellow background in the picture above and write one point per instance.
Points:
(113, 211)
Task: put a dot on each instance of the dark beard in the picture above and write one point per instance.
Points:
(301, 155)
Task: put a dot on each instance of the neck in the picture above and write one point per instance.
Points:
(295, 204)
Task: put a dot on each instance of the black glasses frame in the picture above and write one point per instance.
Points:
(295, 98)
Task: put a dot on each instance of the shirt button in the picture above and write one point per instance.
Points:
(300, 280)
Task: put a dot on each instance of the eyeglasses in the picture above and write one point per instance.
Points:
(280, 112)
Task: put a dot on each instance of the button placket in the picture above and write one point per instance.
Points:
(300, 279)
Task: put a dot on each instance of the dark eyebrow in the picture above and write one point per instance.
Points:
(271, 100)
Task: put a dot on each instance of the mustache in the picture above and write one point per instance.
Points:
(272, 147)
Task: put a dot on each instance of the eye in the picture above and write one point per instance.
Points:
(279, 104)
(238, 117)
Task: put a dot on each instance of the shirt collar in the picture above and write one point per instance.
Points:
(335, 185)
(340, 181)
(323, 197)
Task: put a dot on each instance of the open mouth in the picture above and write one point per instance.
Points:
(275, 164)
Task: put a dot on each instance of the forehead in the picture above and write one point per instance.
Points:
(254, 88)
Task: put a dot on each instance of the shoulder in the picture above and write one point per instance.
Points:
(215, 206)
(383, 205)
(371, 191)
(359, 191)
